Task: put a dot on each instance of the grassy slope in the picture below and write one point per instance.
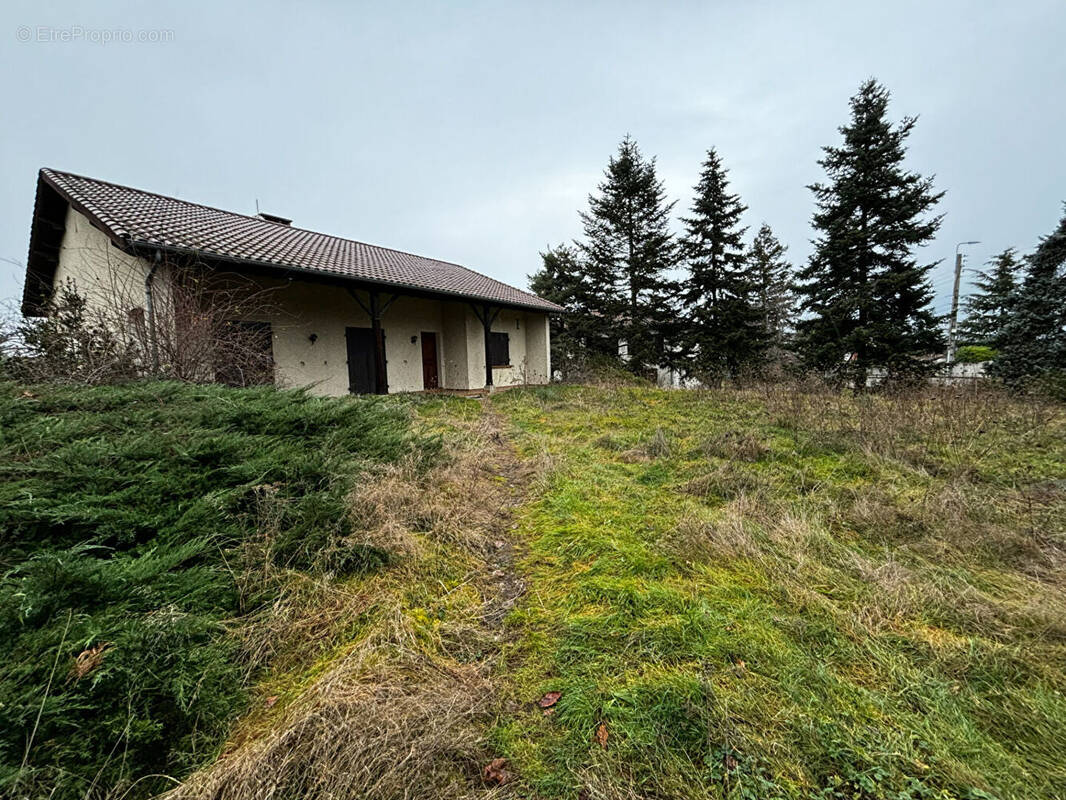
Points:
(780, 595)
(142, 527)
(786, 595)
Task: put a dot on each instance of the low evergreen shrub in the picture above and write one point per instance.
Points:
(125, 512)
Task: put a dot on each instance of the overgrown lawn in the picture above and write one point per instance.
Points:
(785, 593)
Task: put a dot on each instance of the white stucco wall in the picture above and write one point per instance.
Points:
(300, 310)
(459, 347)
(538, 348)
(109, 279)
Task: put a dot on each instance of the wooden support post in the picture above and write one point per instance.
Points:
(486, 315)
(381, 381)
(487, 324)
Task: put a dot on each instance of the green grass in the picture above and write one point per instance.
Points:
(780, 594)
(152, 521)
(757, 594)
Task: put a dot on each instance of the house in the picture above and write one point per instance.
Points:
(343, 316)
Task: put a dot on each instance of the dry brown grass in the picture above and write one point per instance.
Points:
(658, 445)
(409, 728)
(459, 503)
(309, 618)
(735, 446)
(88, 660)
(927, 569)
(724, 482)
(950, 429)
(700, 540)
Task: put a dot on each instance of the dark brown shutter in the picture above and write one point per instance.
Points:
(499, 350)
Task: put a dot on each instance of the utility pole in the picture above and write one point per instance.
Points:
(953, 323)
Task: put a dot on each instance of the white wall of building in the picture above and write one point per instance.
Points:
(109, 279)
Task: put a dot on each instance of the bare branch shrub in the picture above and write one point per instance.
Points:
(200, 325)
(209, 326)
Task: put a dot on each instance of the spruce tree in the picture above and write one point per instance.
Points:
(627, 253)
(867, 299)
(988, 308)
(723, 326)
(775, 299)
(562, 280)
(1033, 345)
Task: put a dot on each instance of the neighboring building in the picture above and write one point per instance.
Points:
(958, 373)
(663, 377)
(344, 316)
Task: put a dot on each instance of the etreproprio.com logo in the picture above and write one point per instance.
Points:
(52, 34)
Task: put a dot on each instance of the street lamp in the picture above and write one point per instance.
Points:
(953, 323)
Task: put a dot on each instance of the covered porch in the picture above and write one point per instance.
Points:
(339, 340)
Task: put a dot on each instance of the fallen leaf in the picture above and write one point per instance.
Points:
(729, 762)
(548, 712)
(550, 699)
(271, 700)
(496, 773)
(88, 660)
(601, 735)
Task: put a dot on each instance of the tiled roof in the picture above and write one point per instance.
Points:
(153, 220)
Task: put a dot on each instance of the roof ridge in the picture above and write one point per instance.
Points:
(266, 222)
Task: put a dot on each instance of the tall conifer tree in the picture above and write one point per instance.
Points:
(775, 298)
(1034, 339)
(988, 308)
(867, 298)
(627, 254)
(722, 322)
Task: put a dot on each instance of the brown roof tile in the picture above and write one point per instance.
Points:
(144, 218)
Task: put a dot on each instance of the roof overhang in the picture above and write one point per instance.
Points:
(46, 236)
(286, 272)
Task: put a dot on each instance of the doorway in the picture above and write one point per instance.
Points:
(362, 374)
(430, 373)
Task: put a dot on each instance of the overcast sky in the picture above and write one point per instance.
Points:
(473, 132)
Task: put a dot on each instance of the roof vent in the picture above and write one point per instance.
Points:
(274, 218)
